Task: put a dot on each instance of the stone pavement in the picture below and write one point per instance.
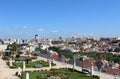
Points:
(6, 72)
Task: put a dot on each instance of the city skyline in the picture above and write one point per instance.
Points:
(54, 18)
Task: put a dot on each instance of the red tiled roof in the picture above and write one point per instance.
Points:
(14, 53)
(87, 63)
(54, 56)
(113, 71)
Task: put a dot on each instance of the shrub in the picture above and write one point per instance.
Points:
(96, 77)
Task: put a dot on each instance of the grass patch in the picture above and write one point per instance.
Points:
(31, 64)
(62, 73)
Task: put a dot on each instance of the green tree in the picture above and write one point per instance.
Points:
(13, 47)
(117, 49)
(99, 62)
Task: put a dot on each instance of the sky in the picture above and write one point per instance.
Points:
(54, 18)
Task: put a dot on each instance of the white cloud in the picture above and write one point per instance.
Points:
(41, 30)
(24, 27)
(20, 27)
(54, 31)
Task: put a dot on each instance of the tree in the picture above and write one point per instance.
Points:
(110, 50)
(117, 49)
(99, 62)
(13, 47)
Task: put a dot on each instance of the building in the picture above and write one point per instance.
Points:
(3, 47)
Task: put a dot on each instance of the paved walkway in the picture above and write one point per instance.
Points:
(6, 72)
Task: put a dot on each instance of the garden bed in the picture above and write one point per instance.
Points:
(62, 73)
(31, 64)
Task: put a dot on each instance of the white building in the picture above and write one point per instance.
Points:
(3, 47)
(31, 48)
(118, 38)
(44, 46)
